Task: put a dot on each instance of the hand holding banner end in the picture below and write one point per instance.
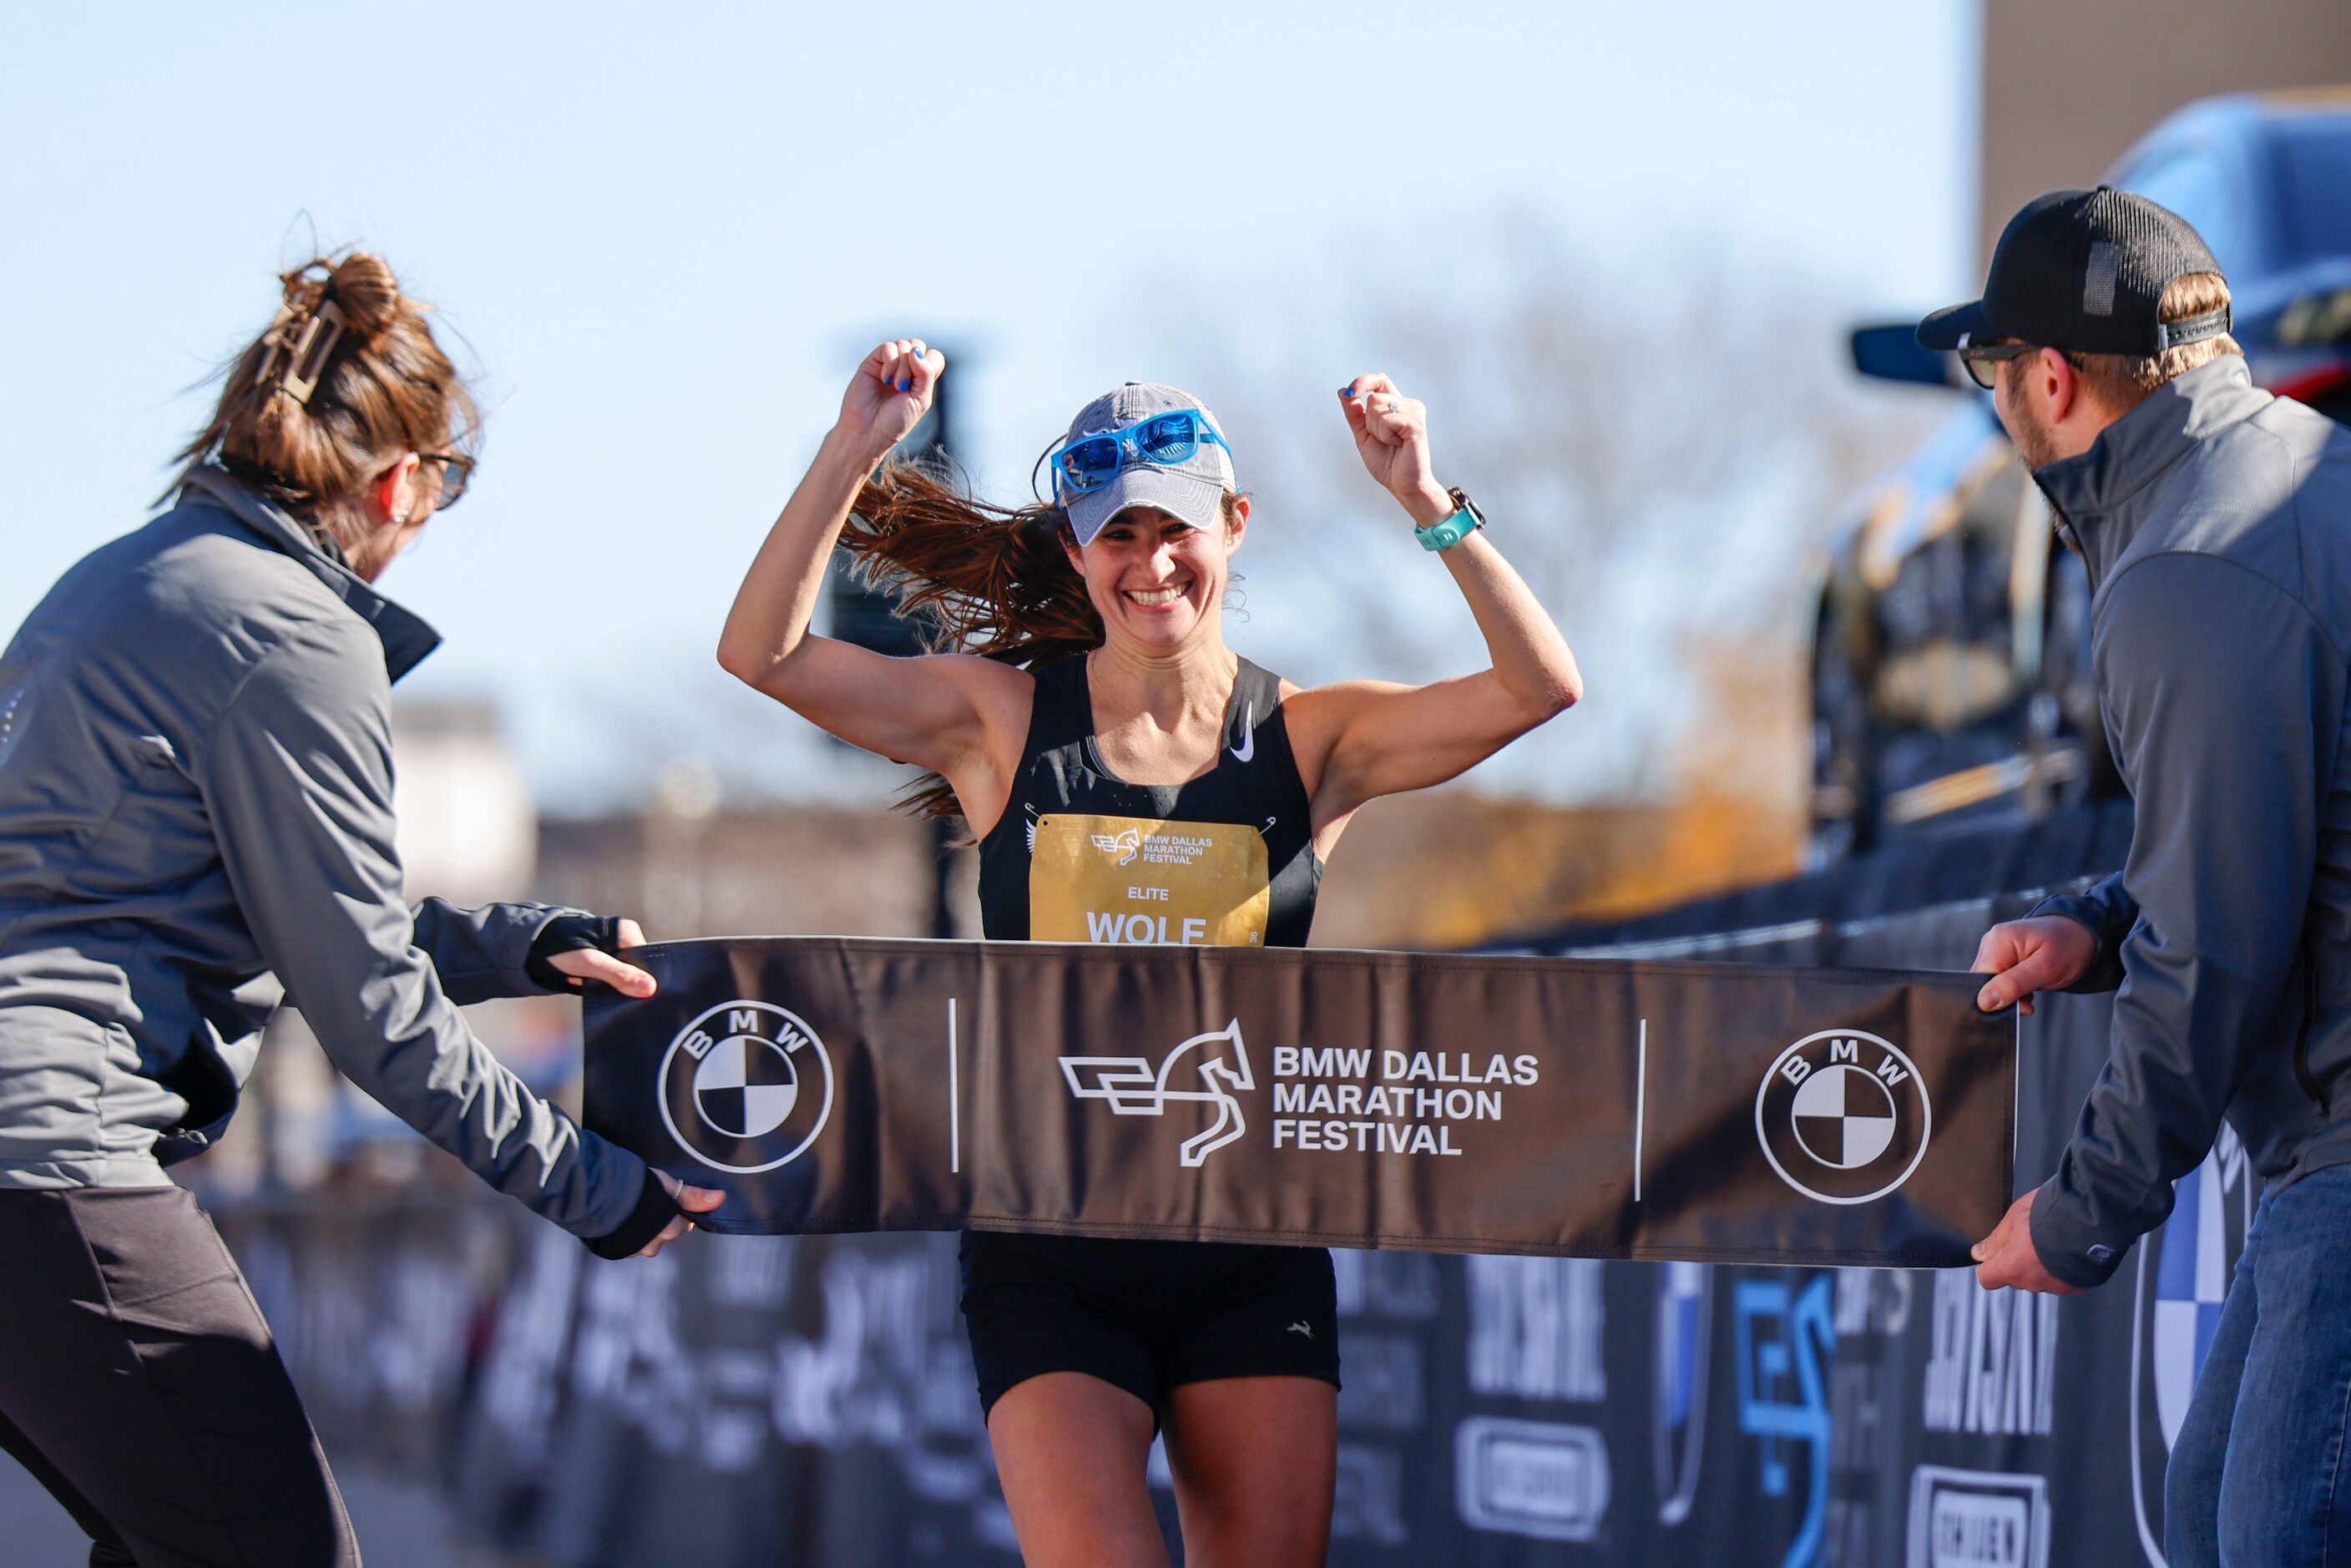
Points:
(572, 949)
(2007, 1256)
(2042, 953)
(691, 1200)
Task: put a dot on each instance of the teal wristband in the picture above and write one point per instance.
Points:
(1447, 532)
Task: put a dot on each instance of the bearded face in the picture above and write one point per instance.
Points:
(2027, 426)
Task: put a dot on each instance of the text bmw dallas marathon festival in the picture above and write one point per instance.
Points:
(1417, 1099)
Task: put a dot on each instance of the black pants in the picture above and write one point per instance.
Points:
(139, 1383)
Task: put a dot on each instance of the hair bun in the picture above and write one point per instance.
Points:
(363, 285)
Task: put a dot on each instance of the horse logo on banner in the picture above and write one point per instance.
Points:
(2183, 1276)
(1133, 1089)
(1843, 1116)
(735, 1088)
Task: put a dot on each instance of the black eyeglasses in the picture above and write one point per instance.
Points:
(1983, 359)
(456, 472)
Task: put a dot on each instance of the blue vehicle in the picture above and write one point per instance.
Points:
(1951, 685)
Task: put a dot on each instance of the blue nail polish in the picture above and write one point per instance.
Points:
(1346, 391)
(906, 386)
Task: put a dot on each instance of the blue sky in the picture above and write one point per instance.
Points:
(667, 233)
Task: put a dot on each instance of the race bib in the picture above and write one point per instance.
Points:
(1136, 883)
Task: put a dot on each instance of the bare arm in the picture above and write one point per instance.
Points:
(1363, 740)
(933, 712)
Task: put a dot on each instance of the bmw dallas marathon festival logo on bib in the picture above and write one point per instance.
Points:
(745, 1087)
(1843, 1116)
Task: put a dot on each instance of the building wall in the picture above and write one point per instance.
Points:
(778, 871)
(2068, 86)
(468, 829)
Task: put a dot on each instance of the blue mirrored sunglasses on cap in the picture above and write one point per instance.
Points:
(1162, 441)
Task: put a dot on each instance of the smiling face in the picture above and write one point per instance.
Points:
(1157, 581)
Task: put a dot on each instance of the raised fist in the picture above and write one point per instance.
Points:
(890, 392)
(1391, 433)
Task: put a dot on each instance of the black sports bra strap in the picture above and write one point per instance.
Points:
(1256, 693)
(1061, 712)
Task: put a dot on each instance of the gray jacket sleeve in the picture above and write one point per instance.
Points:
(2224, 699)
(479, 954)
(2108, 912)
(297, 780)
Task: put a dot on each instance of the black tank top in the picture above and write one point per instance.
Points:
(1079, 855)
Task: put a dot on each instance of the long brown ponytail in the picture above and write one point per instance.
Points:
(975, 577)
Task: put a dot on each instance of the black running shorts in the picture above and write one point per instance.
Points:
(1145, 1316)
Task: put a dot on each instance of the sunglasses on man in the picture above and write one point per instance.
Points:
(1983, 359)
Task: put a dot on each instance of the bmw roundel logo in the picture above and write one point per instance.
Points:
(745, 1087)
(1843, 1116)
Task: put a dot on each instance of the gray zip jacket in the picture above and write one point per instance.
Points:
(195, 806)
(2216, 522)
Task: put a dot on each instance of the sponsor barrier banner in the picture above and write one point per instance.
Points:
(749, 1401)
(1585, 1108)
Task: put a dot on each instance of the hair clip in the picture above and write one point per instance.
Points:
(274, 340)
(309, 356)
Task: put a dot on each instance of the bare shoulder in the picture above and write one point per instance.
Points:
(1001, 694)
(989, 680)
(1315, 715)
(1327, 707)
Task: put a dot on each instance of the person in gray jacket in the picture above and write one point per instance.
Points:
(195, 819)
(2215, 521)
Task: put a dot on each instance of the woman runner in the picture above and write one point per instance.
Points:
(1090, 697)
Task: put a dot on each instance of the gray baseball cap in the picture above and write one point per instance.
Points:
(1192, 489)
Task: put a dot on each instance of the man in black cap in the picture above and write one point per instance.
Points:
(2216, 524)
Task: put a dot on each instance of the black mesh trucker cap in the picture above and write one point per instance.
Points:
(2083, 271)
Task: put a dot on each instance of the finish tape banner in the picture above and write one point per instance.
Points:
(1444, 1102)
